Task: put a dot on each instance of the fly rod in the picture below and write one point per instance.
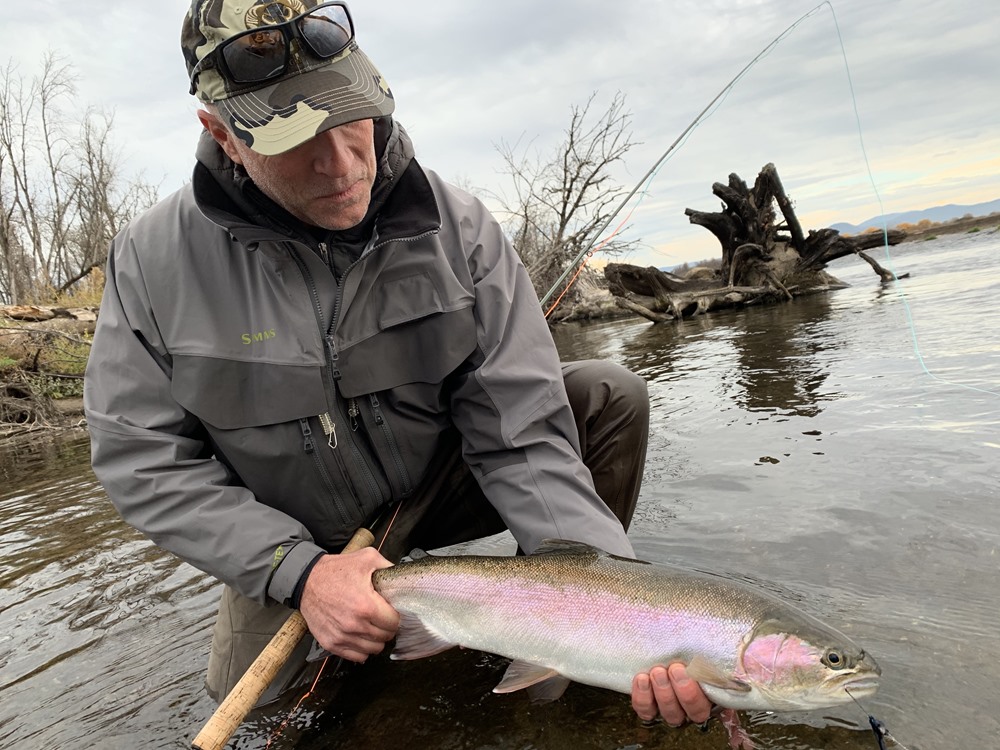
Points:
(696, 121)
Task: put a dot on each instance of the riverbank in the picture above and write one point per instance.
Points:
(990, 223)
(43, 349)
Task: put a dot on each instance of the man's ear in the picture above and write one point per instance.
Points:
(220, 133)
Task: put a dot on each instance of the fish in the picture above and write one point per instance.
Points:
(572, 612)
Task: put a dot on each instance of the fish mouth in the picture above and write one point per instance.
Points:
(861, 686)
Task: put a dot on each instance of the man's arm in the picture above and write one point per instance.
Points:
(155, 463)
(519, 435)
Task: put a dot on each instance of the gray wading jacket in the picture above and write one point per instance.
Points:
(247, 412)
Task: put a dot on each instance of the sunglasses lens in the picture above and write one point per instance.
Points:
(262, 54)
(257, 56)
(327, 30)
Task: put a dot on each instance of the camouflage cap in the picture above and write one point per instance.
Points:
(313, 95)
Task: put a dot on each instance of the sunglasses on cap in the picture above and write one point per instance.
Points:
(261, 54)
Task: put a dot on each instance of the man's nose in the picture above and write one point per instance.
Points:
(333, 155)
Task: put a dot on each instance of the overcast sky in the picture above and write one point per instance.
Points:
(468, 74)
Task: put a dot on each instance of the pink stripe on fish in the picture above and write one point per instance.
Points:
(581, 612)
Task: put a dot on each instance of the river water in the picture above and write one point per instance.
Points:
(840, 451)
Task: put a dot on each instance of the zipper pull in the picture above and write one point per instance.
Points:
(329, 429)
(369, 246)
(353, 411)
(375, 408)
(309, 446)
(334, 355)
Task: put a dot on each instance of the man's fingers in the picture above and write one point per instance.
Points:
(352, 647)
(688, 694)
(670, 693)
(373, 618)
(666, 700)
(358, 656)
(384, 617)
(344, 612)
(643, 702)
(358, 632)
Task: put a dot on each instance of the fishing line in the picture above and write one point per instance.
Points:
(647, 179)
(885, 229)
(879, 729)
(654, 170)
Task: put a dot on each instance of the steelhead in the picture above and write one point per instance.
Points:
(572, 612)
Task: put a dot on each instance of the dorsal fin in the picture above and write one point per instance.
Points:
(569, 547)
(566, 546)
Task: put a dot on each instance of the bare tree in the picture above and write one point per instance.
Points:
(62, 195)
(103, 202)
(560, 201)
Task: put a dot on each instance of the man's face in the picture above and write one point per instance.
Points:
(326, 181)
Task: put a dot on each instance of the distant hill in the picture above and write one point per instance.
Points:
(936, 214)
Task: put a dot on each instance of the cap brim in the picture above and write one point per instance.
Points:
(279, 117)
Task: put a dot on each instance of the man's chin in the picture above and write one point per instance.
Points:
(337, 216)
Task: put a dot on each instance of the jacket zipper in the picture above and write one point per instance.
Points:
(309, 446)
(390, 439)
(328, 421)
(334, 357)
(396, 456)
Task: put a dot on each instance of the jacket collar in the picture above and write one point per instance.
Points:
(402, 205)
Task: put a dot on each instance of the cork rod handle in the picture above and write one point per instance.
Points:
(244, 696)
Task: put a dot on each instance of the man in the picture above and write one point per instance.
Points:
(317, 329)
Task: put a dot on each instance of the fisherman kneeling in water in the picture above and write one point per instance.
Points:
(316, 329)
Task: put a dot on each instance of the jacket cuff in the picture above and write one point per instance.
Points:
(296, 601)
(293, 565)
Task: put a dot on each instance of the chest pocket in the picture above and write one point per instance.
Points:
(420, 337)
(231, 394)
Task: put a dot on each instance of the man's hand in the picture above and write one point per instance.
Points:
(670, 693)
(344, 613)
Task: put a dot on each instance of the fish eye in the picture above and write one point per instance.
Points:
(834, 660)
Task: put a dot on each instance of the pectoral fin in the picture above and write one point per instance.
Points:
(415, 640)
(702, 670)
(543, 683)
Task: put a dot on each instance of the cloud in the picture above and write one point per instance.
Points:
(467, 75)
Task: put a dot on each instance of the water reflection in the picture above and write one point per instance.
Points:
(27, 460)
(769, 360)
(781, 354)
(99, 627)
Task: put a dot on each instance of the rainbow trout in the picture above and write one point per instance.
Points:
(572, 612)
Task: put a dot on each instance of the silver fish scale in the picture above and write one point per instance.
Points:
(600, 620)
(592, 617)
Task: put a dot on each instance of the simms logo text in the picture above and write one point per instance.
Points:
(256, 338)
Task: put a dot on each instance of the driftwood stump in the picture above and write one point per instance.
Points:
(764, 259)
(43, 351)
